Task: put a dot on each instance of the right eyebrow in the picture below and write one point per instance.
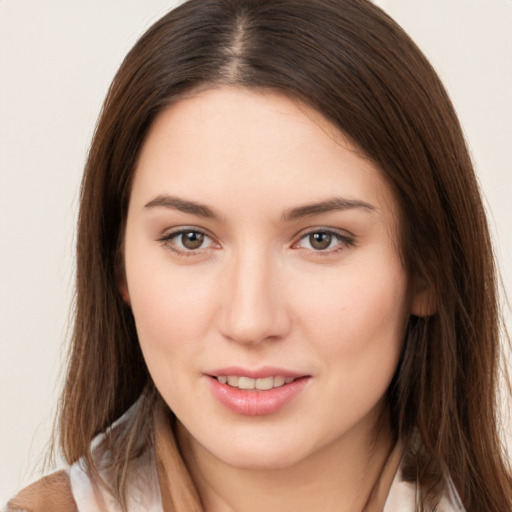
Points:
(333, 204)
(183, 205)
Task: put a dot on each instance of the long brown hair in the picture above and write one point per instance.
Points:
(357, 67)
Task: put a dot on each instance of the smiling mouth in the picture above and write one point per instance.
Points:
(248, 383)
(264, 392)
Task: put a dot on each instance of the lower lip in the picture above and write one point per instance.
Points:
(256, 402)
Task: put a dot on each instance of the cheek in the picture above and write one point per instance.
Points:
(357, 318)
(357, 324)
(173, 316)
(172, 309)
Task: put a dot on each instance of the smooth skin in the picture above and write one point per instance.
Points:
(258, 236)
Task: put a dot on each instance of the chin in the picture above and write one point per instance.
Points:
(262, 460)
(261, 455)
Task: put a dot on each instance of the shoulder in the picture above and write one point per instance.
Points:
(78, 488)
(50, 494)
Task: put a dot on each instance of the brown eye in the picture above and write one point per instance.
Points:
(325, 242)
(192, 240)
(320, 241)
(188, 242)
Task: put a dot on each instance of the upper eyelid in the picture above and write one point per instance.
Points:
(187, 229)
(343, 233)
(168, 237)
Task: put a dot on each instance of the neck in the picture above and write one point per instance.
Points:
(353, 473)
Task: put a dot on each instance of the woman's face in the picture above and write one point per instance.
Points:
(260, 249)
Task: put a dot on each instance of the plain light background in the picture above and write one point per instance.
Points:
(57, 59)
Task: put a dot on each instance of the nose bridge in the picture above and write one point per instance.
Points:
(254, 308)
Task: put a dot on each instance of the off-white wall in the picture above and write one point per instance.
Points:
(56, 61)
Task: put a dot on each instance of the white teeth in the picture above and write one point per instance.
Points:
(233, 381)
(248, 383)
(278, 381)
(266, 383)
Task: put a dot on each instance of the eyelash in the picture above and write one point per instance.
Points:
(167, 240)
(344, 241)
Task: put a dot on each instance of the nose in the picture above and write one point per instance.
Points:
(254, 307)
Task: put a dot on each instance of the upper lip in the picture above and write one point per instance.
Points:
(257, 373)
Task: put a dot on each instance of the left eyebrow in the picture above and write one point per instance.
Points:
(183, 205)
(333, 204)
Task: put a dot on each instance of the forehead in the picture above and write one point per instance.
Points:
(258, 146)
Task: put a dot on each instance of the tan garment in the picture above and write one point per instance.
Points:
(50, 494)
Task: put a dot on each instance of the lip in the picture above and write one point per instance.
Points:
(256, 402)
(259, 373)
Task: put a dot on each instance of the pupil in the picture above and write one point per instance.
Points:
(320, 240)
(193, 240)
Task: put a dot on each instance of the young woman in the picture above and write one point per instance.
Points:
(285, 286)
